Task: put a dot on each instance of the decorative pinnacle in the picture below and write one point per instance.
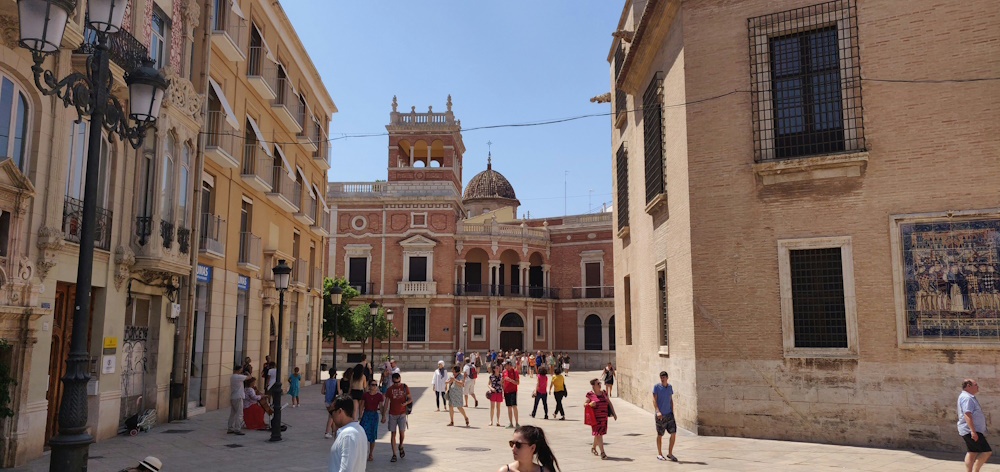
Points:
(394, 104)
(489, 156)
(449, 102)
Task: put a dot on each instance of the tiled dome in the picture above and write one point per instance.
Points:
(489, 184)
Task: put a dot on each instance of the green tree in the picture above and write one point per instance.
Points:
(341, 312)
(361, 322)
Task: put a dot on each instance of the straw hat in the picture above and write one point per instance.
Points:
(151, 463)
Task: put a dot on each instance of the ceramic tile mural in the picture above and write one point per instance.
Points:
(952, 279)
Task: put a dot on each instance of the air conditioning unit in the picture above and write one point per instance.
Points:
(175, 311)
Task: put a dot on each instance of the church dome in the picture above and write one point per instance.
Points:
(489, 184)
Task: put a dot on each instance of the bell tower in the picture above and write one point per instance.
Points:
(425, 146)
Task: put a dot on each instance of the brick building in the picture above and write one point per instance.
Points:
(460, 270)
(806, 267)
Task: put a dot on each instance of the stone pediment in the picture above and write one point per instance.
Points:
(418, 241)
(13, 181)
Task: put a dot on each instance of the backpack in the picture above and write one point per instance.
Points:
(473, 374)
(409, 407)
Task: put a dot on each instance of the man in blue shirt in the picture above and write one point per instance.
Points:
(972, 426)
(663, 405)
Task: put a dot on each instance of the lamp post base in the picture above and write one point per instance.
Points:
(276, 417)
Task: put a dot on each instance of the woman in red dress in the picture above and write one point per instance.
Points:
(599, 402)
(253, 413)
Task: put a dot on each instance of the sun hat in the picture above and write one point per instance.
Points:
(151, 463)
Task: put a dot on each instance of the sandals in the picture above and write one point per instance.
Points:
(594, 450)
(393, 458)
(671, 457)
(660, 457)
(604, 456)
(467, 422)
(402, 453)
(451, 424)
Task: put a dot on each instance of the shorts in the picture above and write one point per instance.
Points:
(470, 387)
(357, 394)
(397, 422)
(666, 423)
(566, 366)
(510, 399)
(979, 445)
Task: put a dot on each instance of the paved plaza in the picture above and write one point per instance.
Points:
(201, 443)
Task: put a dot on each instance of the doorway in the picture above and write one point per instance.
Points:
(511, 332)
(134, 364)
(62, 332)
(199, 331)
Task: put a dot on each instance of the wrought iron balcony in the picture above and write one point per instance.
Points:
(262, 73)
(143, 229)
(73, 222)
(125, 50)
(287, 106)
(285, 192)
(309, 136)
(606, 291)
(317, 279)
(183, 239)
(166, 233)
(363, 288)
(486, 290)
(250, 254)
(212, 236)
(300, 273)
(257, 167)
(220, 140)
(229, 29)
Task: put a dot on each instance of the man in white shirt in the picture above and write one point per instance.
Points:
(972, 426)
(392, 366)
(470, 383)
(236, 395)
(350, 449)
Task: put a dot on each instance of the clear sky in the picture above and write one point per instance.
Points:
(503, 62)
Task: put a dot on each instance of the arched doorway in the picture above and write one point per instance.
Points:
(592, 333)
(511, 332)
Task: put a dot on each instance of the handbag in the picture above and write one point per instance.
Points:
(588, 416)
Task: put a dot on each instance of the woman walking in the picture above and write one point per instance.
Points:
(495, 393)
(330, 390)
(369, 419)
(558, 389)
(541, 392)
(609, 378)
(438, 383)
(601, 406)
(528, 443)
(455, 390)
(358, 382)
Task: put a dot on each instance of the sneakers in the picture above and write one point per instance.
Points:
(510, 426)
(328, 436)
(239, 433)
(671, 457)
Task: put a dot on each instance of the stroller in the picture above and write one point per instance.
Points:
(140, 421)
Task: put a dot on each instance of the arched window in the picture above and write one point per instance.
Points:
(511, 320)
(611, 333)
(167, 180)
(13, 123)
(592, 333)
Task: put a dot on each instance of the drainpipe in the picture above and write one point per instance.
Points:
(182, 337)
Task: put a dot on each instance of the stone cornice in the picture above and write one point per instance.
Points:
(649, 34)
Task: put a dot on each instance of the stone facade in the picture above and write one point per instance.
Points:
(737, 222)
(492, 281)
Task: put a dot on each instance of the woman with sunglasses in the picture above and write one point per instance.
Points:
(527, 443)
(599, 402)
(372, 400)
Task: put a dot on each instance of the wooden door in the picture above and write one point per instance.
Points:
(62, 328)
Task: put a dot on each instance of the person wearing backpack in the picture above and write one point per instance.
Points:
(398, 402)
(471, 373)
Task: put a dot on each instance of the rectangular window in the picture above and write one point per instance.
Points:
(621, 107)
(628, 311)
(818, 297)
(158, 45)
(418, 269)
(240, 346)
(592, 279)
(358, 274)
(418, 220)
(416, 324)
(539, 328)
(816, 284)
(621, 206)
(478, 328)
(805, 81)
(661, 286)
(79, 141)
(652, 128)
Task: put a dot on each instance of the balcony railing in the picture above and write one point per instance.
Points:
(124, 49)
(300, 273)
(311, 208)
(183, 239)
(143, 229)
(220, 139)
(250, 254)
(263, 72)
(213, 234)
(73, 223)
(324, 218)
(309, 136)
(232, 28)
(606, 291)
(416, 288)
(288, 105)
(317, 279)
(363, 288)
(486, 290)
(166, 233)
(257, 167)
(284, 191)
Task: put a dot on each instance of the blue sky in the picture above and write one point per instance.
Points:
(503, 62)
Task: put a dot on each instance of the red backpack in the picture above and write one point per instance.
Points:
(473, 373)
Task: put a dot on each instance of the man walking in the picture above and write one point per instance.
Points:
(663, 403)
(236, 396)
(471, 374)
(972, 426)
(351, 446)
(397, 397)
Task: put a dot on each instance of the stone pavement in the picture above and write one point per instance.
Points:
(201, 443)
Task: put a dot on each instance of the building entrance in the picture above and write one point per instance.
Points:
(511, 332)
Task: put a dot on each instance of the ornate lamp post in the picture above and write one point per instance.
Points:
(465, 329)
(42, 24)
(373, 311)
(388, 317)
(336, 295)
(281, 275)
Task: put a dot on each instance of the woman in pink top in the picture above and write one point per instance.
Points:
(541, 391)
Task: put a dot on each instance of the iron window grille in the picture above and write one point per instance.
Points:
(819, 312)
(620, 95)
(622, 182)
(73, 223)
(167, 233)
(416, 325)
(652, 128)
(805, 82)
(661, 283)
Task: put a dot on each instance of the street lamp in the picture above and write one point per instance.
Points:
(373, 311)
(42, 24)
(281, 275)
(465, 329)
(388, 317)
(336, 295)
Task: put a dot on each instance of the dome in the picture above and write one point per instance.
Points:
(489, 184)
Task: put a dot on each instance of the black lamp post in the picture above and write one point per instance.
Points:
(42, 24)
(281, 275)
(388, 317)
(336, 295)
(373, 311)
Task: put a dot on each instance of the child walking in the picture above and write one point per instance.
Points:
(293, 387)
